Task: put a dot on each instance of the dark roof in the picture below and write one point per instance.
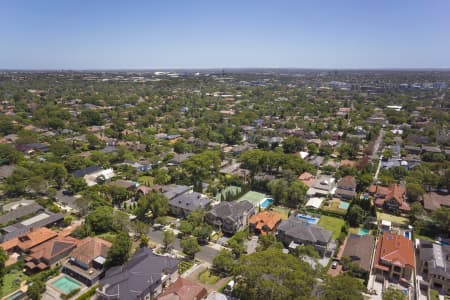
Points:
(300, 229)
(360, 248)
(141, 272)
(437, 256)
(86, 171)
(190, 201)
(231, 210)
(433, 201)
(20, 212)
(173, 190)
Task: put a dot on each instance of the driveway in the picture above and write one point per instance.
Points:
(207, 252)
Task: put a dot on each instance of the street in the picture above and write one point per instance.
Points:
(207, 253)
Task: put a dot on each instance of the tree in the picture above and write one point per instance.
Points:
(9, 155)
(154, 204)
(272, 274)
(119, 252)
(393, 294)
(3, 259)
(355, 215)
(414, 192)
(168, 239)
(224, 261)
(441, 218)
(36, 289)
(342, 287)
(416, 212)
(190, 246)
(101, 219)
(267, 241)
(76, 184)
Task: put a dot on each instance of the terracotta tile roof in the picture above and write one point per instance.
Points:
(395, 249)
(265, 218)
(30, 240)
(90, 248)
(54, 247)
(394, 191)
(347, 181)
(307, 178)
(183, 289)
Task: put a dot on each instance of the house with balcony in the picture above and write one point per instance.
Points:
(433, 264)
(391, 198)
(294, 232)
(394, 259)
(230, 217)
(143, 277)
(86, 262)
(264, 222)
(346, 188)
(184, 204)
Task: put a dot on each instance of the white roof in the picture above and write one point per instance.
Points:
(314, 202)
(386, 223)
(303, 154)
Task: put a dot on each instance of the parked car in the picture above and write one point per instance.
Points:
(334, 264)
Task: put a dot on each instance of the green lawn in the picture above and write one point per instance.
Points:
(392, 218)
(333, 224)
(208, 278)
(9, 285)
(110, 237)
(185, 265)
(283, 211)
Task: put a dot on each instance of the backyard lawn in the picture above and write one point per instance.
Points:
(283, 211)
(10, 284)
(146, 180)
(333, 224)
(392, 218)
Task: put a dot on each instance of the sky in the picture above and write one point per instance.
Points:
(156, 34)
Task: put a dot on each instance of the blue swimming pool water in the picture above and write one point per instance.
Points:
(309, 219)
(363, 231)
(407, 235)
(344, 205)
(66, 284)
(265, 203)
(15, 296)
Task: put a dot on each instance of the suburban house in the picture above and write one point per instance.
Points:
(94, 175)
(391, 198)
(26, 242)
(174, 190)
(143, 190)
(264, 222)
(394, 258)
(43, 256)
(433, 201)
(20, 212)
(323, 186)
(294, 232)
(42, 219)
(86, 262)
(307, 178)
(129, 185)
(433, 262)
(359, 248)
(230, 217)
(184, 289)
(346, 188)
(142, 277)
(184, 204)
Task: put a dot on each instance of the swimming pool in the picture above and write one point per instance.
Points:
(265, 203)
(66, 284)
(407, 235)
(309, 219)
(16, 295)
(344, 205)
(363, 231)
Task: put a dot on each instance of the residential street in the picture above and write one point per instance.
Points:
(207, 253)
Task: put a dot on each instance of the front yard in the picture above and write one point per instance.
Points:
(333, 224)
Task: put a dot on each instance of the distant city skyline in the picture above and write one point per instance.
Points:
(200, 34)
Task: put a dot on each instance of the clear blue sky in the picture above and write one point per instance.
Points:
(90, 34)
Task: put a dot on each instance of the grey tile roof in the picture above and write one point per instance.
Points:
(359, 248)
(173, 190)
(190, 201)
(231, 209)
(302, 230)
(20, 212)
(142, 272)
(437, 256)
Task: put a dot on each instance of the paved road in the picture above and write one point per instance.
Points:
(207, 253)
